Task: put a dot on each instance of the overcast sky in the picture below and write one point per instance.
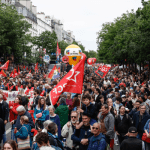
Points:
(85, 17)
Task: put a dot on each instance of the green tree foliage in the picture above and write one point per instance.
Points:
(46, 40)
(13, 37)
(127, 38)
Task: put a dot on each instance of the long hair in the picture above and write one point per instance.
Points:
(39, 103)
(76, 102)
(12, 144)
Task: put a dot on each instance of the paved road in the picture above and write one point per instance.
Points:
(8, 135)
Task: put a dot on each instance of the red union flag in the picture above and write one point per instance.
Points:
(72, 82)
(5, 66)
(18, 70)
(36, 67)
(102, 70)
(12, 74)
(3, 73)
(15, 73)
(58, 51)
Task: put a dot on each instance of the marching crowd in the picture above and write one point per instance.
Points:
(110, 111)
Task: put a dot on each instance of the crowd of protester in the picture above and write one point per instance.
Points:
(114, 110)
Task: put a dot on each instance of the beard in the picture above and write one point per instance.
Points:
(73, 121)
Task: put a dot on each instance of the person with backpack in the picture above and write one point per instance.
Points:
(53, 139)
(122, 123)
(4, 113)
(97, 141)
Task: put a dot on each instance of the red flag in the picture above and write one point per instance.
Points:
(58, 51)
(102, 70)
(3, 73)
(15, 73)
(29, 71)
(36, 67)
(5, 66)
(42, 93)
(50, 75)
(24, 67)
(12, 74)
(18, 70)
(72, 82)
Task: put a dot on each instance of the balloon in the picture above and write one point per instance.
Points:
(65, 59)
(94, 60)
(74, 54)
(90, 61)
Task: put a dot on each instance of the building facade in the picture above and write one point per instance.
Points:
(40, 22)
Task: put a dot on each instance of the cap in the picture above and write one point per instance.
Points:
(116, 87)
(132, 130)
(123, 96)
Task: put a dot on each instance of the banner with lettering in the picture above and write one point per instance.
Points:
(13, 94)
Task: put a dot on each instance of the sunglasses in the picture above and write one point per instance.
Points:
(73, 117)
(94, 128)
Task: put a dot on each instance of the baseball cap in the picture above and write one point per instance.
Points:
(123, 96)
(132, 130)
(116, 87)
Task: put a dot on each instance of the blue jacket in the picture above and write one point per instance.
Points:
(146, 127)
(143, 122)
(24, 131)
(44, 113)
(18, 125)
(132, 112)
(97, 143)
(57, 121)
(79, 134)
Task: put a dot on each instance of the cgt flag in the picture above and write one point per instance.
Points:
(15, 73)
(3, 73)
(72, 82)
(58, 51)
(36, 67)
(102, 70)
(5, 66)
(18, 70)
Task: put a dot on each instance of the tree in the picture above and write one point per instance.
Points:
(46, 40)
(62, 46)
(13, 33)
(127, 38)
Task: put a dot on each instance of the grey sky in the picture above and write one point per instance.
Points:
(85, 17)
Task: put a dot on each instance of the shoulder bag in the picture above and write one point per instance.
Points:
(24, 143)
(144, 136)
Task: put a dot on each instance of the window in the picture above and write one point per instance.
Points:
(19, 10)
(13, 2)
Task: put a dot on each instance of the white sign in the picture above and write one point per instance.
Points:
(10, 95)
(46, 58)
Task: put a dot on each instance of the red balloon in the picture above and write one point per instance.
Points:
(90, 61)
(94, 60)
(65, 59)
